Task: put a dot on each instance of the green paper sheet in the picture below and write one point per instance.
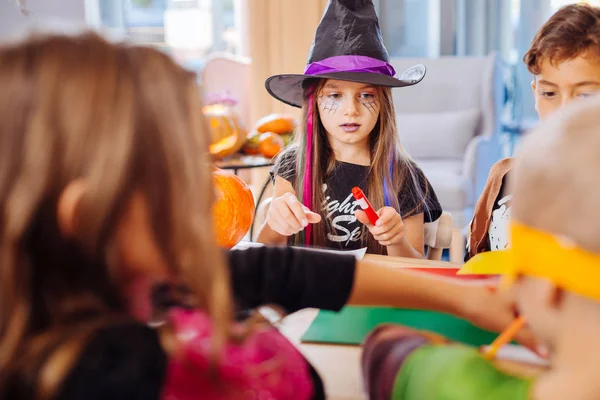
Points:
(352, 324)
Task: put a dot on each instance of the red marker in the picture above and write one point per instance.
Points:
(365, 205)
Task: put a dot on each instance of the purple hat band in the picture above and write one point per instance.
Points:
(350, 64)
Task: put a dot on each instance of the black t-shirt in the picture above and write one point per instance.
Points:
(339, 208)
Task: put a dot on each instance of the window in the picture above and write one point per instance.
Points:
(186, 29)
(430, 28)
(410, 28)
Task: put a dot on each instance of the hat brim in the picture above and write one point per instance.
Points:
(289, 89)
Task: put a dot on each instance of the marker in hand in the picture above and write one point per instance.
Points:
(505, 337)
(365, 205)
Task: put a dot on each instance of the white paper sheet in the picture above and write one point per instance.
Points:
(359, 253)
(244, 244)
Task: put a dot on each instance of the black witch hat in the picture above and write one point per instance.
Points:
(347, 46)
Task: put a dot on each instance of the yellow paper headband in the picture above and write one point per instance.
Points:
(540, 254)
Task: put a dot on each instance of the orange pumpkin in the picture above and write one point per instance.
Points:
(270, 144)
(251, 145)
(276, 123)
(233, 212)
(227, 134)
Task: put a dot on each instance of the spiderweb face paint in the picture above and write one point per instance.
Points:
(329, 104)
(370, 103)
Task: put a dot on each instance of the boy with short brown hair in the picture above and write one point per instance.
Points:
(564, 58)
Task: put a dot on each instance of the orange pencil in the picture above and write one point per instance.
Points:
(505, 337)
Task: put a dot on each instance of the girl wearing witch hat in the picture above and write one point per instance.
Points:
(351, 140)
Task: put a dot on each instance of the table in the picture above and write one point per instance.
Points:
(339, 365)
(243, 161)
(405, 262)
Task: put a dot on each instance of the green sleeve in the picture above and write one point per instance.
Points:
(455, 372)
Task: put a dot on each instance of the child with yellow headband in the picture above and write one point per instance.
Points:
(553, 266)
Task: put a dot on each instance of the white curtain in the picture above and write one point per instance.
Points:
(280, 33)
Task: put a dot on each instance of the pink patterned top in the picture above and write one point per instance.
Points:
(265, 366)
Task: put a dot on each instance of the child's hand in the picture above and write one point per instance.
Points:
(287, 216)
(389, 230)
(494, 311)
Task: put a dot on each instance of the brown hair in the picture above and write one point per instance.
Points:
(125, 119)
(385, 151)
(572, 31)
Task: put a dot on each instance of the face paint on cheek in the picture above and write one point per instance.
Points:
(371, 105)
(328, 104)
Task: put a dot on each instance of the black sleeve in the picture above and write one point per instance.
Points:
(119, 363)
(285, 165)
(417, 196)
(291, 278)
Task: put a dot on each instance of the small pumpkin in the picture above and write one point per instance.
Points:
(270, 144)
(233, 211)
(276, 123)
(251, 145)
(227, 134)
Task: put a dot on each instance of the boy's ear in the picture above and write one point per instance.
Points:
(68, 206)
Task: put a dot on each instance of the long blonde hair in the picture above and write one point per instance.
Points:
(389, 164)
(123, 118)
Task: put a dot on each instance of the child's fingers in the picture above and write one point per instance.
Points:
(494, 311)
(297, 209)
(281, 219)
(389, 242)
(383, 229)
(526, 338)
(391, 237)
(287, 218)
(361, 216)
(389, 233)
(386, 215)
(388, 225)
(312, 217)
(279, 224)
